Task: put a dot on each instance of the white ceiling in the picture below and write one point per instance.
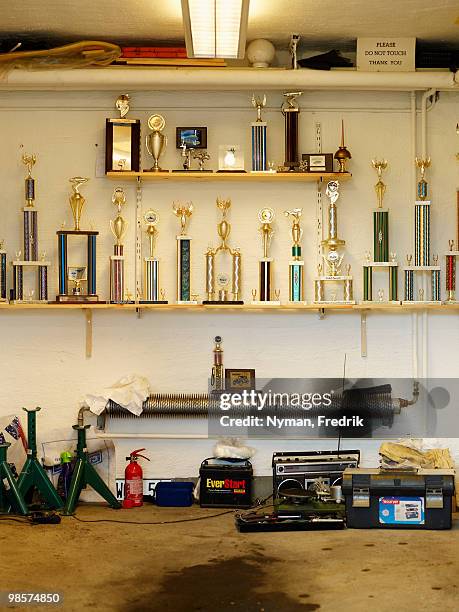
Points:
(323, 24)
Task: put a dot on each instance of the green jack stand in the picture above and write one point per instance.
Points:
(84, 474)
(33, 475)
(10, 497)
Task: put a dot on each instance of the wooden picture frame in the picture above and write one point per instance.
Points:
(239, 379)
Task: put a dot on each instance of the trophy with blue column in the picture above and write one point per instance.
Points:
(183, 211)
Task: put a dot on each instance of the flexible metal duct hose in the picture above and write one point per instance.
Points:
(376, 402)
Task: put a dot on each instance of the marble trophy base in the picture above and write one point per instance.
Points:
(78, 299)
(25, 301)
(190, 302)
(223, 302)
(417, 302)
(265, 303)
(338, 302)
(233, 171)
(382, 302)
(153, 302)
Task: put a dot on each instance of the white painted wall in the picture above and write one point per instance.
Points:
(42, 359)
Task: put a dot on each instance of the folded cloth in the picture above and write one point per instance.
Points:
(129, 392)
(405, 455)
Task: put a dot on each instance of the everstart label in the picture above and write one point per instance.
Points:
(235, 486)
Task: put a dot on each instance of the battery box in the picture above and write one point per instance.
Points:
(225, 483)
(390, 499)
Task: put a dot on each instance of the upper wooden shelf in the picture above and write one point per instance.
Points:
(231, 176)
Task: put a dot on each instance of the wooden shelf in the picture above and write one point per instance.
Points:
(376, 307)
(302, 177)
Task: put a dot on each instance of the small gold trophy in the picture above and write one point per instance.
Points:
(122, 140)
(223, 230)
(77, 201)
(151, 279)
(156, 141)
(118, 227)
(266, 218)
(183, 212)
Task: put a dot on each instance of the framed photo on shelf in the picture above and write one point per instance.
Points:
(318, 162)
(239, 379)
(191, 137)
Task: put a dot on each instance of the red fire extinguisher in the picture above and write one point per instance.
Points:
(133, 480)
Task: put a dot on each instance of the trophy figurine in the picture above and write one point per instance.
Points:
(291, 112)
(342, 154)
(156, 142)
(333, 259)
(259, 161)
(122, 140)
(118, 227)
(87, 292)
(223, 278)
(296, 266)
(382, 258)
(30, 260)
(151, 274)
(422, 264)
(266, 218)
(183, 212)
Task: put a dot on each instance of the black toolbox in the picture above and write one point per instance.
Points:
(225, 483)
(391, 499)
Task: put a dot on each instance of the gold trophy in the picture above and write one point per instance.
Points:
(183, 212)
(151, 278)
(122, 140)
(223, 230)
(75, 273)
(333, 259)
(156, 142)
(266, 218)
(342, 154)
(118, 227)
(296, 266)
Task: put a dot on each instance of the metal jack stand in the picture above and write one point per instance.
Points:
(10, 497)
(33, 475)
(84, 474)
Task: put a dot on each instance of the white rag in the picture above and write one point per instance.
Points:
(129, 392)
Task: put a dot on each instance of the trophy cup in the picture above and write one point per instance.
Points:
(291, 112)
(342, 154)
(79, 293)
(422, 265)
(296, 266)
(30, 260)
(183, 212)
(156, 142)
(2, 273)
(122, 140)
(223, 278)
(380, 244)
(118, 227)
(151, 274)
(333, 259)
(266, 218)
(259, 162)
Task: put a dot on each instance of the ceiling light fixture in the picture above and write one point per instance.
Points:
(215, 28)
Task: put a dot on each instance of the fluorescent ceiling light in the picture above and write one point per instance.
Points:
(215, 28)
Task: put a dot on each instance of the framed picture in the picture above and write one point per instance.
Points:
(318, 162)
(191, 137)
(238, 379)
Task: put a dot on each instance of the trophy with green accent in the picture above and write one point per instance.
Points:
(381, 256)
(183, 212)
(296, 265)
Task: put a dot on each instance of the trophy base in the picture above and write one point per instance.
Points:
(265, 303)
(79, 299)
(153, 302)
(380, 302)
(156, 170)
(192, 171)
(418, 302)
(446, 302)
(28, 301)
(297, 303)
(121, 302)
(223, 302)
(337, 302)
(233, 171)
(185, 302)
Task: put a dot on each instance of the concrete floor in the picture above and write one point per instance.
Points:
(208, 566)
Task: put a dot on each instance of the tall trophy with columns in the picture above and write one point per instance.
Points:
(265, 289)
(151, 269)
(118, 227)
(296, 265)
(183, 211)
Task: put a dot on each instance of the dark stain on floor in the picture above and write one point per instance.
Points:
(226, 585)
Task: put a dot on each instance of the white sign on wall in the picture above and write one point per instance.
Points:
(386, 54)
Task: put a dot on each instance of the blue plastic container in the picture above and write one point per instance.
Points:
(178, 494)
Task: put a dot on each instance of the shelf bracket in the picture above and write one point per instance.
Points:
(363, 333)
(321, 313)
(87, 313)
